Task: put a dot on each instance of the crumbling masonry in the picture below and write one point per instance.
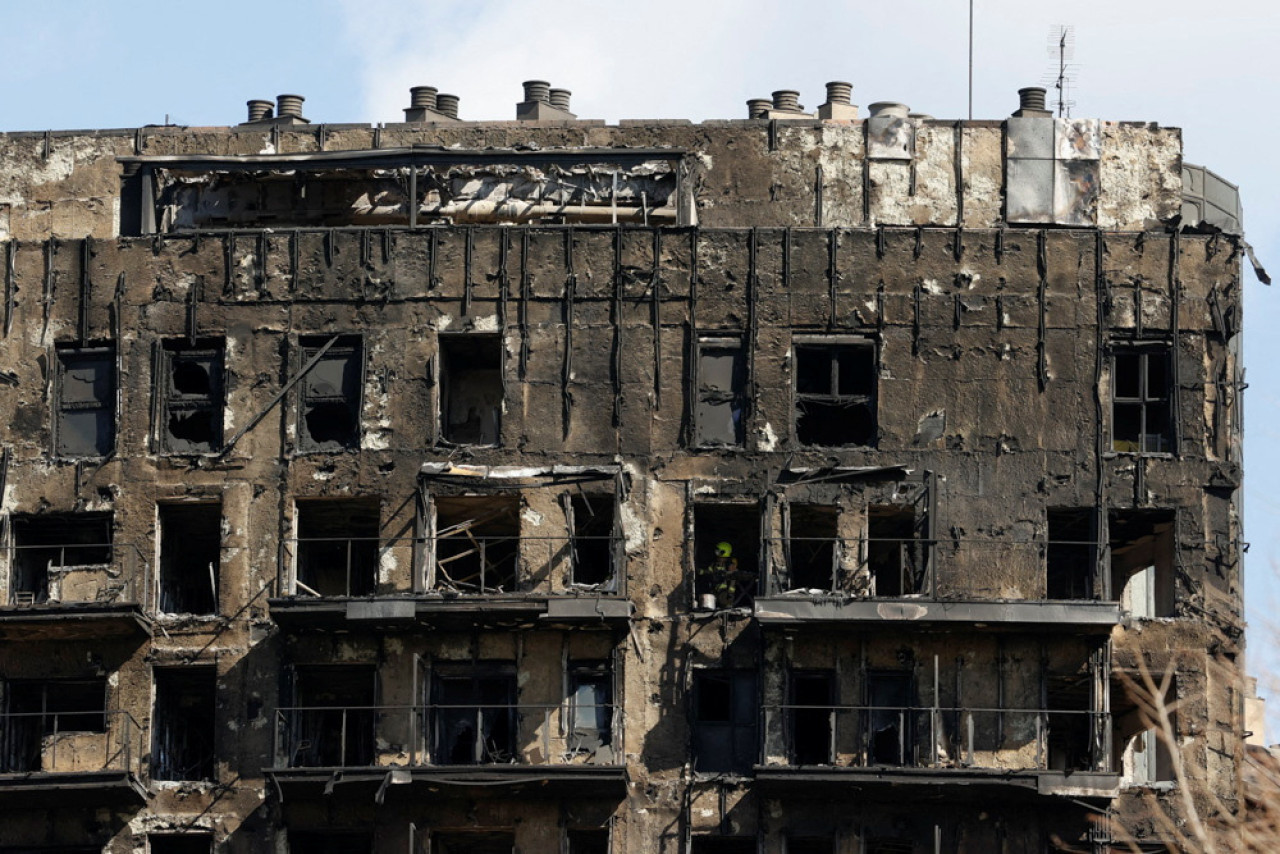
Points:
(362, 486)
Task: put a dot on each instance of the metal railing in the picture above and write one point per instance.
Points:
(447, 734)
(78, 573)
(70, 742)
(892, 567)
(466, 564)
(928, 737)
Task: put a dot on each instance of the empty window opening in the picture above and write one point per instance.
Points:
(329, 408)
(589, 841)
(811, 845)
(1070, 554)
(1141, 420)
(1142, 562)
(43, 720)
(812, 555)
(475, 717)
(1069, 721)
(331, 842)
(190, 556)
(812, 718)
(725, 715)
(338, 547)
(890, 725)
(332, 723)
(191, 393)
(590, 708)
(726, 555)
(721, 404)
(180, 843)
(183, 723)
(477, 543)
(594, 540)
(1141, 747)
(473, 842)
(835, 394)
(48, 551)
(897, 556)
(471, 389)
(723, 845)
(85, 393)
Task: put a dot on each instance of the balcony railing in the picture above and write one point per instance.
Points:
(918, 737)
(70, 743)
(457, 565)
(447, 735)
(78, 573)
(867, 567)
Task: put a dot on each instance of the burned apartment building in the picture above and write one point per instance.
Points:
(800, 483)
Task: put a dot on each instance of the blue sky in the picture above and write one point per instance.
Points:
(1211, 70)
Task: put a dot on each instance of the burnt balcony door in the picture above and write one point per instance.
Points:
(334, 720)
(475, 718)
(889, 725)
(812, 698)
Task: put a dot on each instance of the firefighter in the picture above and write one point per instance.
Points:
(721, 577)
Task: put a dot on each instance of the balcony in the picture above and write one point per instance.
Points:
(937, 752)
(461, 580)
(452, 749)
(88, 758)
(67, 590)
(878, 583)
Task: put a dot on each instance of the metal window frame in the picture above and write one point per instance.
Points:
(737, 394)
(1144, 350)
(172, 352)
(349, 346)
(833, 342)
(63, 355)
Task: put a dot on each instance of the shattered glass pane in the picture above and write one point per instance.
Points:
(87, 380)
(717, 369)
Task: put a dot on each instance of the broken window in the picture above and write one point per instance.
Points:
(183, 723)
(725, 712)
(1141, 416)
(331, 724)
(590, 707)
(897, 553)
(329, 405)
(835, 394)
(475, 716)
(190, 387)
(588, 841)
(476, 543)
(179, 843)
(330, 841)
(890, 727)
(721, 404)
(1142, 561)
(61, 557)
(726, 555)
(812, 556)
(85, 408)
(471, 389)
(812, 718)
(473, 842)
(1070, 554)
(1068, 737)
(338, 547)
(594, 538)
(190, 555)
(1141, 750)
(40, 717)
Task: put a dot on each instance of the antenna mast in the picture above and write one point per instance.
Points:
(1062, 46)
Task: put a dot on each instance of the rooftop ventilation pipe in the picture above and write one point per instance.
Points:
(424, 105)
(758, 108)
(1031, 103)
(289, 107)
(537, 90)
(259, 110)
(839, 105)
(447, 104)
(543, 104)
(787, 101)
(560, 99)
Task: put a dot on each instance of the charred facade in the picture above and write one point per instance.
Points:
(794, 484)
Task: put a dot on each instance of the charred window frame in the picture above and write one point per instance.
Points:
(720, 410)
(471, 389)
(334, 717)
(189, 393)
(85, 401)
(590, 706)
(329, 398)
(594, 538)
(182, 724)
(475, 719)
(54, 541)
(834, 391)
(190, 557)
(34, 710)
(1142, 414)
(725, 721)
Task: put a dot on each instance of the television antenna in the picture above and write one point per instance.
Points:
(1062, 47)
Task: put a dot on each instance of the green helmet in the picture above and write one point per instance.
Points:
(724, 550)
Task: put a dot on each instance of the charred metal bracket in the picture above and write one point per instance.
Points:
(279, 396)
(655, 311)
(525, 299)
(832, 278)
(616, 355)
(10, 253)
(817, 196)
(566, 369)
(1175, 336)
(1042, 270)
(753, 320)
